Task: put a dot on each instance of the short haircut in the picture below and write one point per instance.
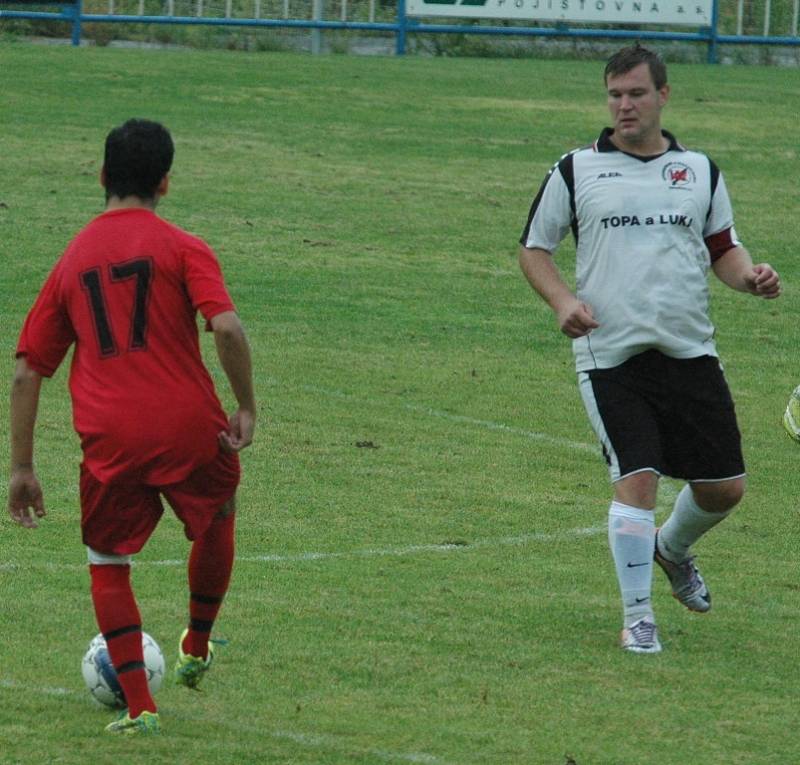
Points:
(628, 58)
(138, 155)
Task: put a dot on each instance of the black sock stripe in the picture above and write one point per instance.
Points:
(122, 631)
(198, 625)
(130, 667)
(207, 600)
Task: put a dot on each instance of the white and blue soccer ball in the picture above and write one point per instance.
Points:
(101, 678)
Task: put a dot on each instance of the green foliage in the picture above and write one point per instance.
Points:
(778, 14)
(423, 571)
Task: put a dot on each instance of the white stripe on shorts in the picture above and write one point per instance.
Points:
(589, 401)
(101, 559)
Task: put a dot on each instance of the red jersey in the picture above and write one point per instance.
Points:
(126, 292)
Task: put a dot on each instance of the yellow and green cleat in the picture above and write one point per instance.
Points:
(791, 417)
(189, 670)
(147, 723)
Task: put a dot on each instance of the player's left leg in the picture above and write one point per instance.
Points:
(704, 447)
(210, 567)
(616, 402)
(206, 503)
(699, 507)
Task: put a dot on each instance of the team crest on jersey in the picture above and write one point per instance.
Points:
(677, 175)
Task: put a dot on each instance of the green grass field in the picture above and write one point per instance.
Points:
(423, 572)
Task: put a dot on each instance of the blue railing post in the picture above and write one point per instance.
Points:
(71, 11)
(714, 33)
(402, 23)
(77, 13)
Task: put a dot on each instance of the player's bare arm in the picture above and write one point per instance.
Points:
(234, 355)
(735, 268)
(575, 319)
(25, 501)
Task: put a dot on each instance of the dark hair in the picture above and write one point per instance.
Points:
(626, 59)
(138, 155)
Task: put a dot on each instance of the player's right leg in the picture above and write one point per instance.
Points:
(116, 521)
(628, 433)
(119, 620)
(631, 535)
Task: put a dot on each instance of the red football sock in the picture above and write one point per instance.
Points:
(210, 566)
(119, 621)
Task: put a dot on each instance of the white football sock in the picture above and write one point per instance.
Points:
(631, 531)
(687, 523)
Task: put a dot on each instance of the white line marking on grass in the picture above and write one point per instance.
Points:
(489, 425)
(667, 491)
(43, 690)
(328, 741)
(460, 418)
(444, 547)
(386, 552)
(309, 741)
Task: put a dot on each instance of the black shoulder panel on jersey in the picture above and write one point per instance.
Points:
(567, 168)
(564, 166)
(534, 205)
(714, 176)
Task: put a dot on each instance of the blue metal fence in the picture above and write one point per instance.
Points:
(402, 25)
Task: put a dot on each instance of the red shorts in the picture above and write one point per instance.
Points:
(118, 518)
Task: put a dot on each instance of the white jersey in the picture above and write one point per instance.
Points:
(646, 231)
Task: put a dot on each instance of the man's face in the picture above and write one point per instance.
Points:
(635, 106)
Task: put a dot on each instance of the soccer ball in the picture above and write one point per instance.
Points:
(101, 678)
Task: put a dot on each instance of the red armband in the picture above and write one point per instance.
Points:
(718, 244)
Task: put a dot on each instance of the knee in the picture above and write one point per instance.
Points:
(228, 509)
(719, 497)
(637, 490)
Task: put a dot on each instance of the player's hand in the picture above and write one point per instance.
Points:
(239, 434)
(576, 319)
(763, 280)
(25, 500)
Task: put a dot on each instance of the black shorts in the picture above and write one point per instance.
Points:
(674, 417)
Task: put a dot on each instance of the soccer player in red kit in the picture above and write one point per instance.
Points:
(126, 293)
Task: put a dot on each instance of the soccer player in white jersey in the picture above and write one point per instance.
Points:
(649, 219)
